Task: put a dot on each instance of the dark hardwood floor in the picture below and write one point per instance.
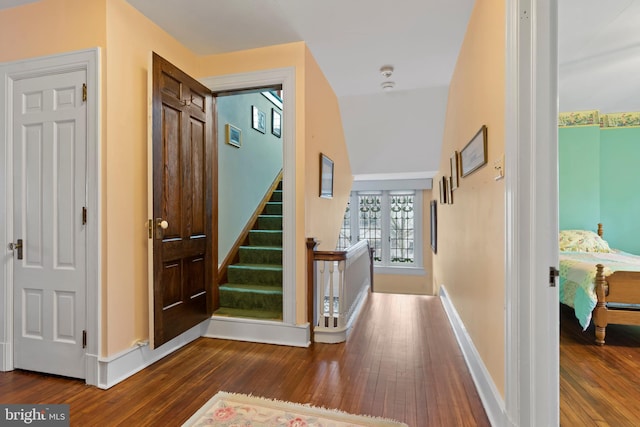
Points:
(401, 361)
(599, 386)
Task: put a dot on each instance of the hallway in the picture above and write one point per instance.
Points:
(401, 361)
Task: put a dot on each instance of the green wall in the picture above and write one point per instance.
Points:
(620, 187)
(245, 173)
(579, 176)
(600, 182)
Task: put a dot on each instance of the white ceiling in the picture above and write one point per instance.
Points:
(599, 57)
(350, 39)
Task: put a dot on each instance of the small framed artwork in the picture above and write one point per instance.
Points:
(450, 192)
(444, 191)
(258, 119)
(276, 123)
(434, 226)
(326, 177)
(474, 155)
(233, 135)
(454, 170)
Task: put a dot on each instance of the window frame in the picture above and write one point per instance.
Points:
(385, 266)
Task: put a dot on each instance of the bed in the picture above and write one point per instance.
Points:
(600, 283)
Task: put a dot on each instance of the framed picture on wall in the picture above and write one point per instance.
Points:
(326, 177)
(444, 189)
(233, 135)
(434, 226)
(454, 170)
(258, 119)
(474, 155)
(276, 122)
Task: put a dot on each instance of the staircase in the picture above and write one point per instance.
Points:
(253, 285)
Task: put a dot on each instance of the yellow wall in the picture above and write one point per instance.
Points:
(470, 259)
(51, 26)
(405, 284)
(324, 134)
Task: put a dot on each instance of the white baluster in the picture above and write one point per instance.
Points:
(341, 293)
(321, 293)
(331, 313)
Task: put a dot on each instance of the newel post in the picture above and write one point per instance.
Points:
(311, 282)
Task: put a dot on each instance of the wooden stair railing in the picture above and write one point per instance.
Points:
(342, 258)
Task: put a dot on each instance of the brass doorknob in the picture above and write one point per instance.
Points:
(17, 247)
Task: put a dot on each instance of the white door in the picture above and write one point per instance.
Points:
(49, 194)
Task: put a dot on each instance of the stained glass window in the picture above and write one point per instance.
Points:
(390, 221)
(401, 227)
(370, 222)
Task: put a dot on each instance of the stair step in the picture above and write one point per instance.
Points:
(249, 314)
(265, 237)
(276, 196)
(252, 288)
(270, 222)
(273, 208)
(263, 274)
(252, 296)
(261, 255)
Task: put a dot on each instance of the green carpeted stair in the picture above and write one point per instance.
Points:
(254, 283)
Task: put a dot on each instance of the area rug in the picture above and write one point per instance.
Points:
(230, 409)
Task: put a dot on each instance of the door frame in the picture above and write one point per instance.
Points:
(88, 60)
(531, 202)
(285, 77)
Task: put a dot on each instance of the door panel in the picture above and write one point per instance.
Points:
(184, 251)
(49, 192)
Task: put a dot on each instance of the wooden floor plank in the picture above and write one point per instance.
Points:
(599, 385)
(401, 361)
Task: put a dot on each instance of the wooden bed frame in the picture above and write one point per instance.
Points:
(619, 287)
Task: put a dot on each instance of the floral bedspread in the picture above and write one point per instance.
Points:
(577, 278)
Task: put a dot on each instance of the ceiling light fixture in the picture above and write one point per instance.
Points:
(388, 85)
(386, 71)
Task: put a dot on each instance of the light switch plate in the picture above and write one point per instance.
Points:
(498, 166)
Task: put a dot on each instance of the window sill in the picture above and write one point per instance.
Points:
(407, 271)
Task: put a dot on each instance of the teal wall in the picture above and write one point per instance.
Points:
(620, 187)
(246, 173)
(599, 178)
(579, 176)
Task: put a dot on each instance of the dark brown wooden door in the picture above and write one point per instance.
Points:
(184, 247)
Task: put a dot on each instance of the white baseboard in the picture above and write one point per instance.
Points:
(336, 335)
(107, 372)
(121, 366)
(491, 399)
(262, 331)
(329, 335)
(6, 361)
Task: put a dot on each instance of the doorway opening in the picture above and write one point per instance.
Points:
(288, 331)
(250, 196)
